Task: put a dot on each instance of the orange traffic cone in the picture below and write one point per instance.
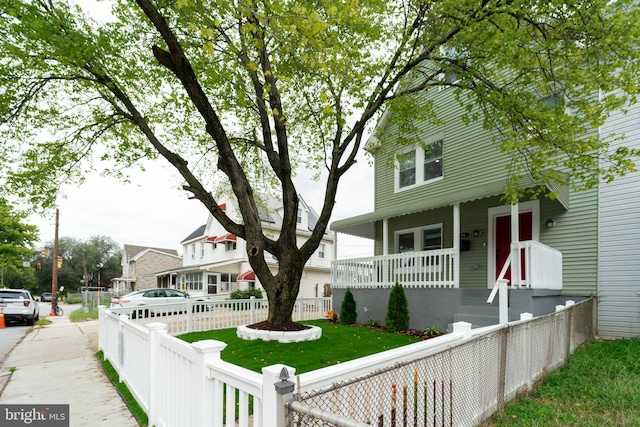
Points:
(1, 317)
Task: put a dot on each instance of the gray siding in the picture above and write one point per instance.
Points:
(619, 241)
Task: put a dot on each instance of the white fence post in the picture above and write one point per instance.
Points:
(273, 407)
(253, 309)
(503, 300)
(155, 329)
(189, 315)
(204, 388)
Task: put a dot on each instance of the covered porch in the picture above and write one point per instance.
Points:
(507, 246)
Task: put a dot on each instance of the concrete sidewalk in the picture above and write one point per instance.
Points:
(56, 364)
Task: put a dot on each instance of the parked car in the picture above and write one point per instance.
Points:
(20, 305)
(148, 298)
(46, 297)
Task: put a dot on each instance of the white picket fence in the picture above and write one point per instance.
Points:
(181, 384)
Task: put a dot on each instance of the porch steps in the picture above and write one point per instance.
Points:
(474, 309)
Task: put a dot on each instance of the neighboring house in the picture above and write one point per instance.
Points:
(215, 262)
(440, 228)
(139, 263)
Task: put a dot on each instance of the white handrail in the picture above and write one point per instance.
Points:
(500, 277)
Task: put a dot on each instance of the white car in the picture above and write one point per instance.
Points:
(148, 298)
(19, 304)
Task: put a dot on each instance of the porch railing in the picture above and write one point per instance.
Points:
(426, 269)
(542, 266)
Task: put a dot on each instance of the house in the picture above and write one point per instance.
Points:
(215, 262)
(139, 263)
(440, 228)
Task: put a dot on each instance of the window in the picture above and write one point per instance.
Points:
(299, 216)
(193, 281)
(424, 238)
(201, 249)
(407, 169)
(321, 250)
(212, 284)
(431, 159)
(193, 251)
(231, 246)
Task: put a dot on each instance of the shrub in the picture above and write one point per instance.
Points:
(397, 310)
(348, 309)
(331, 316)
(246, 293)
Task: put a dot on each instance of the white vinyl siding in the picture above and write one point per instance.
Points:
(619, 240)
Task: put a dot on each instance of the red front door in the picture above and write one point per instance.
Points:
(503, 241)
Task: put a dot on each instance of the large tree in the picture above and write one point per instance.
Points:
(99, 256)
(246, 91)
(17, 238)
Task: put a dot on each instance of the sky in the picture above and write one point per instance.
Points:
(153, 211)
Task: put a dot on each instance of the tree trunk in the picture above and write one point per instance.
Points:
(282, 293)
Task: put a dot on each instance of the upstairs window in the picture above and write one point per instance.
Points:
(433, 161)
(299, 216)
(321, 250)
(431, 157)
(407, 169)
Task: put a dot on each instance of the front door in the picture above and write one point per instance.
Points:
(503, 241)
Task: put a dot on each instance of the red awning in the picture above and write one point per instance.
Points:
(226, 238)
(211, 239)
(247, 276)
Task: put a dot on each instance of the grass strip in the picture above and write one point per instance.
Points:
(137, 411)
(339, 343)
(599, 386)
(80, 316)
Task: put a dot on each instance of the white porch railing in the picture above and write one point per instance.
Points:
(426, 269)
(542, 266)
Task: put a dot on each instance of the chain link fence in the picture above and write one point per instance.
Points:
(460, 386)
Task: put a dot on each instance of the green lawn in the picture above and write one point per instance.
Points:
(339, 343)
(599, 386)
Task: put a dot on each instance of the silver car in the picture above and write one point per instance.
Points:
(148, 298)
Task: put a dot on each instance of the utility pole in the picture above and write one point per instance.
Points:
(54, 275)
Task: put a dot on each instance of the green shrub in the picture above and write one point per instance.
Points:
(246, 293)
(397, 310)
(348, 313)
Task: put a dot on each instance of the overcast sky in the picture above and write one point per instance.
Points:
(153, 211)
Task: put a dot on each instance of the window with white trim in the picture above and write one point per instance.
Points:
(431, 157)
(419, 239)
(321, 250)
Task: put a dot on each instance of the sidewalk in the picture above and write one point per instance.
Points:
(56, 364)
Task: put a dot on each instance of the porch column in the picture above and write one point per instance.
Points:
(515, 237)
(456, 244)
(385, 236)
(385, 251)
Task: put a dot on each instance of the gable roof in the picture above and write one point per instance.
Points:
(198, 232)
(132, 251)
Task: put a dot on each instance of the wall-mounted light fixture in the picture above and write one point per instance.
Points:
(551, 223)
(477, 233)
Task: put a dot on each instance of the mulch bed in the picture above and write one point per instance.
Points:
(282, 327)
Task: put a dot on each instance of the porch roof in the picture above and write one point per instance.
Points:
(364, 225)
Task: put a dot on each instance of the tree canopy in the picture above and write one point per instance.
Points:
(16, 237)
(246, 91)
(99, 255)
